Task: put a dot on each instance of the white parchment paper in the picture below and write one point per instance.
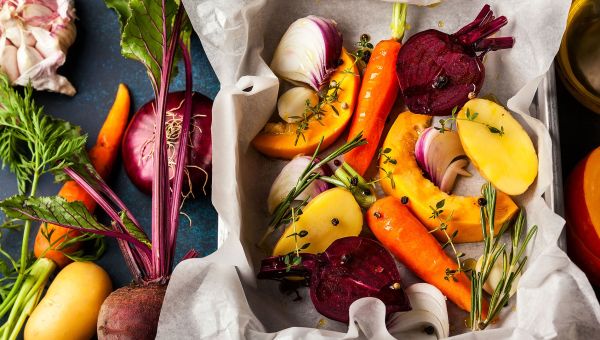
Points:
(219, 297)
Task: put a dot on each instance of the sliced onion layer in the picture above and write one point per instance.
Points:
(441, 156)
(308, 52)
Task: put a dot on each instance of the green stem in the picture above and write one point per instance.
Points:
(28, 297)
(398, 20)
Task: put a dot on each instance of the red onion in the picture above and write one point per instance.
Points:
(308, 52)
(138, 142)
(441, 156)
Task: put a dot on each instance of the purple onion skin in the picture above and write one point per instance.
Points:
(135, 146)
(351, 268)
(438, 72)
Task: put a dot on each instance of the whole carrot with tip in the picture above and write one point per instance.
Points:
(377, 95)
(50, 237)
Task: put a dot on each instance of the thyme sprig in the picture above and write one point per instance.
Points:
(327, 96)
(293, 258)
(283, 212)
(448, 123)
(512, 263)
(436, 213)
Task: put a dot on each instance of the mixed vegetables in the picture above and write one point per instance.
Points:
(397, 178)
(342, 213)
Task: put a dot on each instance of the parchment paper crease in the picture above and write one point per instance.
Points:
(218, 297)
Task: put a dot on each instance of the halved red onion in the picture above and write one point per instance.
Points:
(308, 52)
(442, 157)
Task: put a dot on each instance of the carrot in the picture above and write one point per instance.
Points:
(377, 95)
(102, 156)
(405, 236)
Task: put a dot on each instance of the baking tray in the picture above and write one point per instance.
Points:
(545, 108)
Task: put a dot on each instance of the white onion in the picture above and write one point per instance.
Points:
(287, 179)
(292, 103)
(442, 157)
(308, 51)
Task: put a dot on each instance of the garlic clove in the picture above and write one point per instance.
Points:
(8, 62)
(27, 57)
(46, 44)
(292, 104)
(31, 11)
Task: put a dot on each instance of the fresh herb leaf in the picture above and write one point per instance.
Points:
(32, 143)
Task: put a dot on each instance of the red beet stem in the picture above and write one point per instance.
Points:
(494, 44)
(483, 31)
(483, 17)
(275, 268)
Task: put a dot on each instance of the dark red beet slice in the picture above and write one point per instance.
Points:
(350, 269)
(438, 72)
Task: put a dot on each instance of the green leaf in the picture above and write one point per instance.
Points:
(440, 204)
(56, 210)
(142, 32)
(133, 229)
(122, 9)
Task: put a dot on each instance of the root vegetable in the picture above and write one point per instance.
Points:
(131, 311)
(71, 305)
(438, 72)
(139, 139)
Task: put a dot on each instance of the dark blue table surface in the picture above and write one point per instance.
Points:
(95, 67)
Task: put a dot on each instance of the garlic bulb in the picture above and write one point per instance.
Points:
(34, 38)
(292, 104)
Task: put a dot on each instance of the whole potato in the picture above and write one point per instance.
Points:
(70, 308)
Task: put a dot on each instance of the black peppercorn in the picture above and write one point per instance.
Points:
(429, 330)
(335, 221)
(377, 214)
(440, 82)
(337, 162)
(354, 181)
(365, 37)
(482, 202)
(404, 199)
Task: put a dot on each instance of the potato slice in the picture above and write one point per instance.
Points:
(497, 145)
(332, 215)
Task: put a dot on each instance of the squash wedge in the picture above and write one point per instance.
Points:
(279, 139)
(423, 194)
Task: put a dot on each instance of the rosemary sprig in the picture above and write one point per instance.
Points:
(512, 265)
(448, 123)
(436, 213)
(309, 175)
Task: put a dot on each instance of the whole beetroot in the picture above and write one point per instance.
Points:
(438, 72)
(131, 313)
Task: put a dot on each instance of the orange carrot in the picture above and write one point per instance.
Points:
(102, 156)
(377, 95)
(405, 236)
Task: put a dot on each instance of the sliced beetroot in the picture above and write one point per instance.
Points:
(438, 72)
(350, 269)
